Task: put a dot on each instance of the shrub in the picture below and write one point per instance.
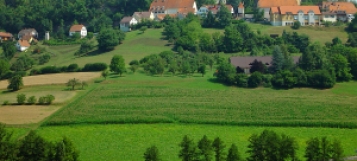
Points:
(293, 49)
(90, 35)
(49, 99)
(21, 98)
(241, 80)
(35, 72)
(296, 25)
(94, 67)
(31, 100)
(255, 79)
(6, 102)
(134, 62)
(283, 79)
(266, 80)
(20, 73)
(72, 68)
(7, 75)
(42, 100)
(44, 59)
(49, 69)
(320, 79)
(301, 78)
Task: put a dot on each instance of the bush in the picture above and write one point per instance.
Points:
(255, 80)
(301, 78)
(21, 98)
(134, 62)
(49, 99)
(94, 67)
(90, 35)
(42, 100)
(72, 68)
(241, 80)
(7, 75)
(266, 80)
(293, 49)
(35, 72)
(49, 69)
(31, 100)
(320, 79)
(296, 25)
(283, 79)
(6, 102)
(44, 59)
(20, 73)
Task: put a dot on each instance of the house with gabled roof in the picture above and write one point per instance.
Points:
(266, 5)
(342, 11)
(173, 7)
(214, 9)
(140, 16)
(81, 29)
(30, 32)
(127, 22)
(5, 36)
(288, 15)
(22, 45)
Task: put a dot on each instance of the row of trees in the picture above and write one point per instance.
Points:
(318, 67)
(267, 146)
(35, 148)
(188, 34)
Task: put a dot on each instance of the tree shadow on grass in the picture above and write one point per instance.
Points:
(94, 52)
(6, 91)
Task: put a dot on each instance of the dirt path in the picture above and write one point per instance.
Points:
(60, 78)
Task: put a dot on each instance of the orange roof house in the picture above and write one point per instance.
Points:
(22, 45)
(173, 6)
(5, 36)
(277, 3)
(335, 7)
(288, 15)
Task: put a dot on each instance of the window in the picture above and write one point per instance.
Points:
(295, 18)
(316, 17)
(305, 17)
(332, 16)
(326, 16)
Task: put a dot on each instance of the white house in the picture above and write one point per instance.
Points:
(241, 9)
(22, 45)
(173, 6)
(140, 16)
(81, 29)
(127, 22)
(342, 11)
(214, 9)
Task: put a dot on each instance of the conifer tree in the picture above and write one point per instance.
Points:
(233, 154)
(218, 146)
(188, 150)
(152, 154)
(206, 150)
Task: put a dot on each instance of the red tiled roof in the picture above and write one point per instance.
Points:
(172, 4)
(347, 7)
(296, 9)
(241, 5)
(76, 28)
(5, 34)
(276, 3)
(274, 10)
(24, 43)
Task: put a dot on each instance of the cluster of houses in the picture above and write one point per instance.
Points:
(26, 36)
(277, 12)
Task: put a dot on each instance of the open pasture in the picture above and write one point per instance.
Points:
(145, 99)
(128, 141)
(60, 78)
(320, 34)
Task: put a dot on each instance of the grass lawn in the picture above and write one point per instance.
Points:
(128, 142)
(137, 98)
(320, 34)
(135, 46)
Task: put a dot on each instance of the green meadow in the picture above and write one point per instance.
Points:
(128, 142)
(118, 118)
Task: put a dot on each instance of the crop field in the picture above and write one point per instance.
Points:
(128, 142)
(60, 78)
(31, 114)
(144, 99)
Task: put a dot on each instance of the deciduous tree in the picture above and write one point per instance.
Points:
(117, 64)
(15, 83)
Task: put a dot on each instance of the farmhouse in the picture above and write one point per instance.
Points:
(140, 16)
(214, 9)
(288, 15)
(266, 5)
(245, 62)
(4, 36)
(126, 23)
(22, 45)
(28, 33)
(173, 7)
(342, 11)
(81, 29)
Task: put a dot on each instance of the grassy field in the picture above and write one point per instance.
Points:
(128, 142)
(137, 98)
(135, 46)
(320, 34)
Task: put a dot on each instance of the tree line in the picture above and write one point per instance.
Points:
(318, 67)
(237, 37)
(57, 16)
(35, 148)
(267, 146)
